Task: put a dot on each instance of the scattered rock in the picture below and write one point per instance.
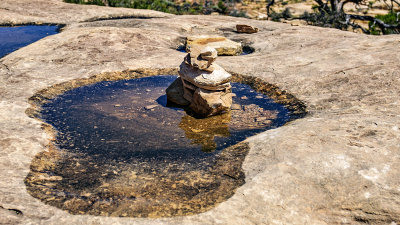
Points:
(222, 45)
(260, 119)
(149, 107)
(243, 28)
(243, 97)
(297, 22)
(236, 107)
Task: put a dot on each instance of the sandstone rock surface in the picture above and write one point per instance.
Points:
(338, 165)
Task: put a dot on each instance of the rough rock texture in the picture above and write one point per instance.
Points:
(209, 103)
(216, 80)
(205, 84)
(14, 12)
(243, 28)
(223, 45)
(338, 165)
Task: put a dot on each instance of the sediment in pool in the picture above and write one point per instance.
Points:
(138, 157)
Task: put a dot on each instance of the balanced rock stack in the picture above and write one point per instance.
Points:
(203, 85)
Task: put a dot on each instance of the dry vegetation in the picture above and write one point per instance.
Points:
(370, 17)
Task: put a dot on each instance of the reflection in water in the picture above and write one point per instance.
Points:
(119, 151)
(203, 131)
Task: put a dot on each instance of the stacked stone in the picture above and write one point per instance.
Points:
(203, 85)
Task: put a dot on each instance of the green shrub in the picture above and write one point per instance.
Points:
(204, 7)
(390, 18)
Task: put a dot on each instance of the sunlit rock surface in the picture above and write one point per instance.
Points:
(223, 45)
(337, 165)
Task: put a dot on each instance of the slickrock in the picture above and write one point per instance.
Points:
(338, 165)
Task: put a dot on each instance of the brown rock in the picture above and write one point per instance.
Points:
(202, 78)
(149, 107)
(175, 93)
(194, 59)
(243, 28)
(208, 103)
(236, 107)
(222, 45)
(201, 57)
(209, 54)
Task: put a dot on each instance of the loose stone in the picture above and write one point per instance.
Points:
(222, 45)
(243, 28)
(149, 107)
(236, 107)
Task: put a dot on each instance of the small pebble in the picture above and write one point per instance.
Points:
(117, 105)
(267, 122)
(259, 96)
(236, 107)
(150, 107)
(244, 98)
(259, 119)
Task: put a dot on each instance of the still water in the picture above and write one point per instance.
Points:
(120, 151)
(13, 38)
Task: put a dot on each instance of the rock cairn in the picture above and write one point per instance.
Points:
(203, 85)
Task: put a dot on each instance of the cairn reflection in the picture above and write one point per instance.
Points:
(118, 150)
(203, 131)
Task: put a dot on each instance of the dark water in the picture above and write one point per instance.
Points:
(122, 152)
(13, 38)
(111, 119)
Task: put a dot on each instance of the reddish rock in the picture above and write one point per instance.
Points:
(243, 28)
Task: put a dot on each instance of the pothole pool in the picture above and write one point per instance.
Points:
(13, 38)
(120, 150)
